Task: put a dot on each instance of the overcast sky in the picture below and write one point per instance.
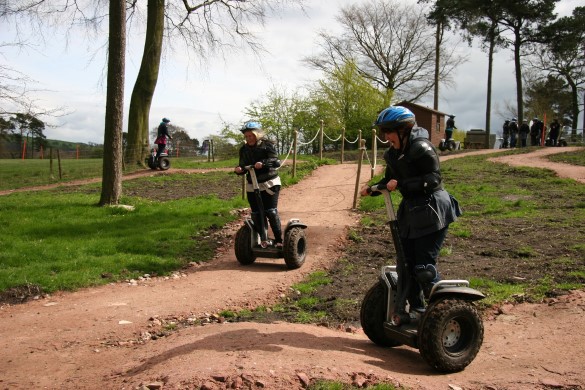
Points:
(200, 99)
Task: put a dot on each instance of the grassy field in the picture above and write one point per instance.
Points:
(60, 240)
(16, 173)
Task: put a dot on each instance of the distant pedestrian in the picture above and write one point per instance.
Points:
(535, 132)
(506, 134)
(450, 126)
(555, 130)
(523, 133)
(513, 132)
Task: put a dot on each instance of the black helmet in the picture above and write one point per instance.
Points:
(166, 120)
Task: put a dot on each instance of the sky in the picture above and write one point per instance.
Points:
(200, 98)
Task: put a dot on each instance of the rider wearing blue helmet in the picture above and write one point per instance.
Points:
(426, 210)
(260, 152)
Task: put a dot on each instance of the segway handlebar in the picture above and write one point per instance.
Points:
(387, 200)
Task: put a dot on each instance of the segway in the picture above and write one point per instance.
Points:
(252, 241)
(163, 162)
(448, 332)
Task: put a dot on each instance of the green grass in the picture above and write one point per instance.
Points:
(25, 173)
(314, 280)
(333, 385)
(16, 173)
(64, 241)
(573, 158)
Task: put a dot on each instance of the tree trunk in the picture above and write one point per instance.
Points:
(438, 39)
(518, 67)
(145, 85)
(112, 166)
(574, 107)
(488, 104)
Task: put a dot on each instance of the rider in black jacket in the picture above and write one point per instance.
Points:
(260, 152)
(426, 210)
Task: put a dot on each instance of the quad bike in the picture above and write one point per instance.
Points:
(252, 239)
(448, 332)
(163, 162)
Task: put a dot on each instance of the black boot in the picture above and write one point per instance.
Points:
(274, 220)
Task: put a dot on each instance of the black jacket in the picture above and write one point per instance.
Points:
(426, 207)
(263, 152)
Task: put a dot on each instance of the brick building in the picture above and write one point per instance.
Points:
(432, 120)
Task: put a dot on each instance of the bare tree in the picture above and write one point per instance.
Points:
(521, 19)
(206, 27)
(112, 171)
(392, 45)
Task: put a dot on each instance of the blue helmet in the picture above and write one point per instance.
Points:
(394, 117)
(251, 125)
(166, 120)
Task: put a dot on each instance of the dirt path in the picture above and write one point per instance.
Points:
(90, 339)
(537, 159)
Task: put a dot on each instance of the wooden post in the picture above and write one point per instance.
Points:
(244, 183)
(342, 143)
(51, 162)
(294, 168)
(374, 152)
(359, 171)
(321, 142)
(59, 162)
(212, 148)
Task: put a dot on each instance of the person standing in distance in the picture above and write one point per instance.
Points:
(162, 134)
(260, 152)
(449, 127)
(426, 210)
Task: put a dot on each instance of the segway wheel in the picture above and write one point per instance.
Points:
(450, 335)
(243, 247)
(164, 163)
(295, 247)
(151, 163)
(373, 315)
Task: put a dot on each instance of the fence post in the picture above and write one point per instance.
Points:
(294, 168)
(321, 142)
(51, 162)
(342, 143)
(59, 161)
(212, 151)
(374, 152)
(359, 171)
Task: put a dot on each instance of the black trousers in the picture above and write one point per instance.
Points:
(422, 251)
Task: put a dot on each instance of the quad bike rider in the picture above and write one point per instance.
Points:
(411, 304)
(159, 158)
(259, 161)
